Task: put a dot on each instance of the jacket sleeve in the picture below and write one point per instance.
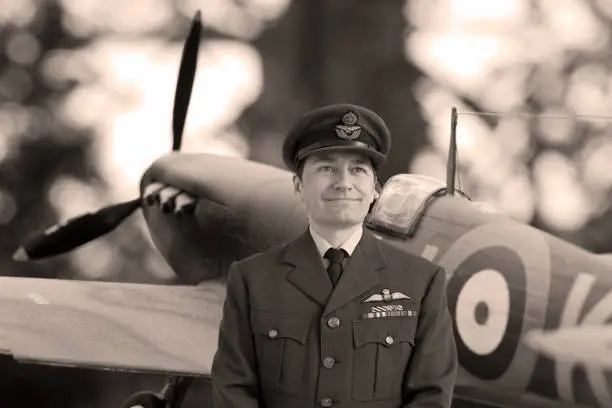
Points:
(430, 377)
(235, 382)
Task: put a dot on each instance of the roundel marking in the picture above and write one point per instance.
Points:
(481, 324)
(499, 294)
(489, 316)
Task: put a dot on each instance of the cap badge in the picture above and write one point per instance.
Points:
(348, 130)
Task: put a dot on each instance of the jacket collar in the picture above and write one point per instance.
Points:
(311, 278)
(349, 245)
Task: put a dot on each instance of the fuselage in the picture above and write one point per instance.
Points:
(505, 279)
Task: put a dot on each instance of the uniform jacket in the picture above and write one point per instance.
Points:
(288, 339)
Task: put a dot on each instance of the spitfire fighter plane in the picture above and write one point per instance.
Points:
(530, 311)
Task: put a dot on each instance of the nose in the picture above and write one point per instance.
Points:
(343, 180)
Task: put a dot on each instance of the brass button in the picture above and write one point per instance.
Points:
(333, 322)
(389, 340)
(272, 333)
(328, 362)
(326, 402)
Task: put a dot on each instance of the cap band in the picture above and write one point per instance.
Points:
(327, 138)
(304, 152)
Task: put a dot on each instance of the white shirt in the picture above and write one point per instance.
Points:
(348, 245)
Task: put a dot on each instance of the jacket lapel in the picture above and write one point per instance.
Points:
(309, 275)
(360, 274)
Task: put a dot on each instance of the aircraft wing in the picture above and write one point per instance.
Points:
(111, 326)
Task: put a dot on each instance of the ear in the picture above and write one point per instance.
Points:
(297, 183)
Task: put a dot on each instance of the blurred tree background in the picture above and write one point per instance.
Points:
(86, 92)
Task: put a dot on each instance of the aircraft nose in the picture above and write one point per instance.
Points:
(169, 199)
(187, 245)
(197, 237)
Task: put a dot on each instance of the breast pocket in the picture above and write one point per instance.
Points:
(382, 349)
(281, 342)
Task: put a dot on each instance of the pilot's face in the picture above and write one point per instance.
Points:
(337, 188)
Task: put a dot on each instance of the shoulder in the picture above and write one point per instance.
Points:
(414, 274)
(246, 269)
(405, 261)
(270, 256)
(393, 252)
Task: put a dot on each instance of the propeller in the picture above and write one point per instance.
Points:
(80, 230)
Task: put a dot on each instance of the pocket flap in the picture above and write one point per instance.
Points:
(386, 333)
(277, 326)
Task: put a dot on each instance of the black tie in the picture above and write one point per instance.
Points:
(335, 257)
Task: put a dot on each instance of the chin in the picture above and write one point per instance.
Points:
(348, 221)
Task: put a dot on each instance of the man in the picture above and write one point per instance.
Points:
(366, 325)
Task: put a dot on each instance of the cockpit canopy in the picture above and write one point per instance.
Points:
(401, 199)
(404, 199)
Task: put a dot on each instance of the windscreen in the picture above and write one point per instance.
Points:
(400, 200)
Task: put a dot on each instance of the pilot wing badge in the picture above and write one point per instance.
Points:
(392, 306)
(386, 296)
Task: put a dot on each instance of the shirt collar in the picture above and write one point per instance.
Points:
(348, 245)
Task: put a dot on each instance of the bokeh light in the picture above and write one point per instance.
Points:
(562, 199)
(499, 54)
(23, 48)
(19, 13)
(509, 56)
(130, 104)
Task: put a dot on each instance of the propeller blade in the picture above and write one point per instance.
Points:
(80, 230)
(75, 232)
(184, 83)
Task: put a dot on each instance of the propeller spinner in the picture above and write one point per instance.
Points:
(80, 230)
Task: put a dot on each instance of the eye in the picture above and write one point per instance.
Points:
(361, 170)
(498, 287)
(324, 169)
